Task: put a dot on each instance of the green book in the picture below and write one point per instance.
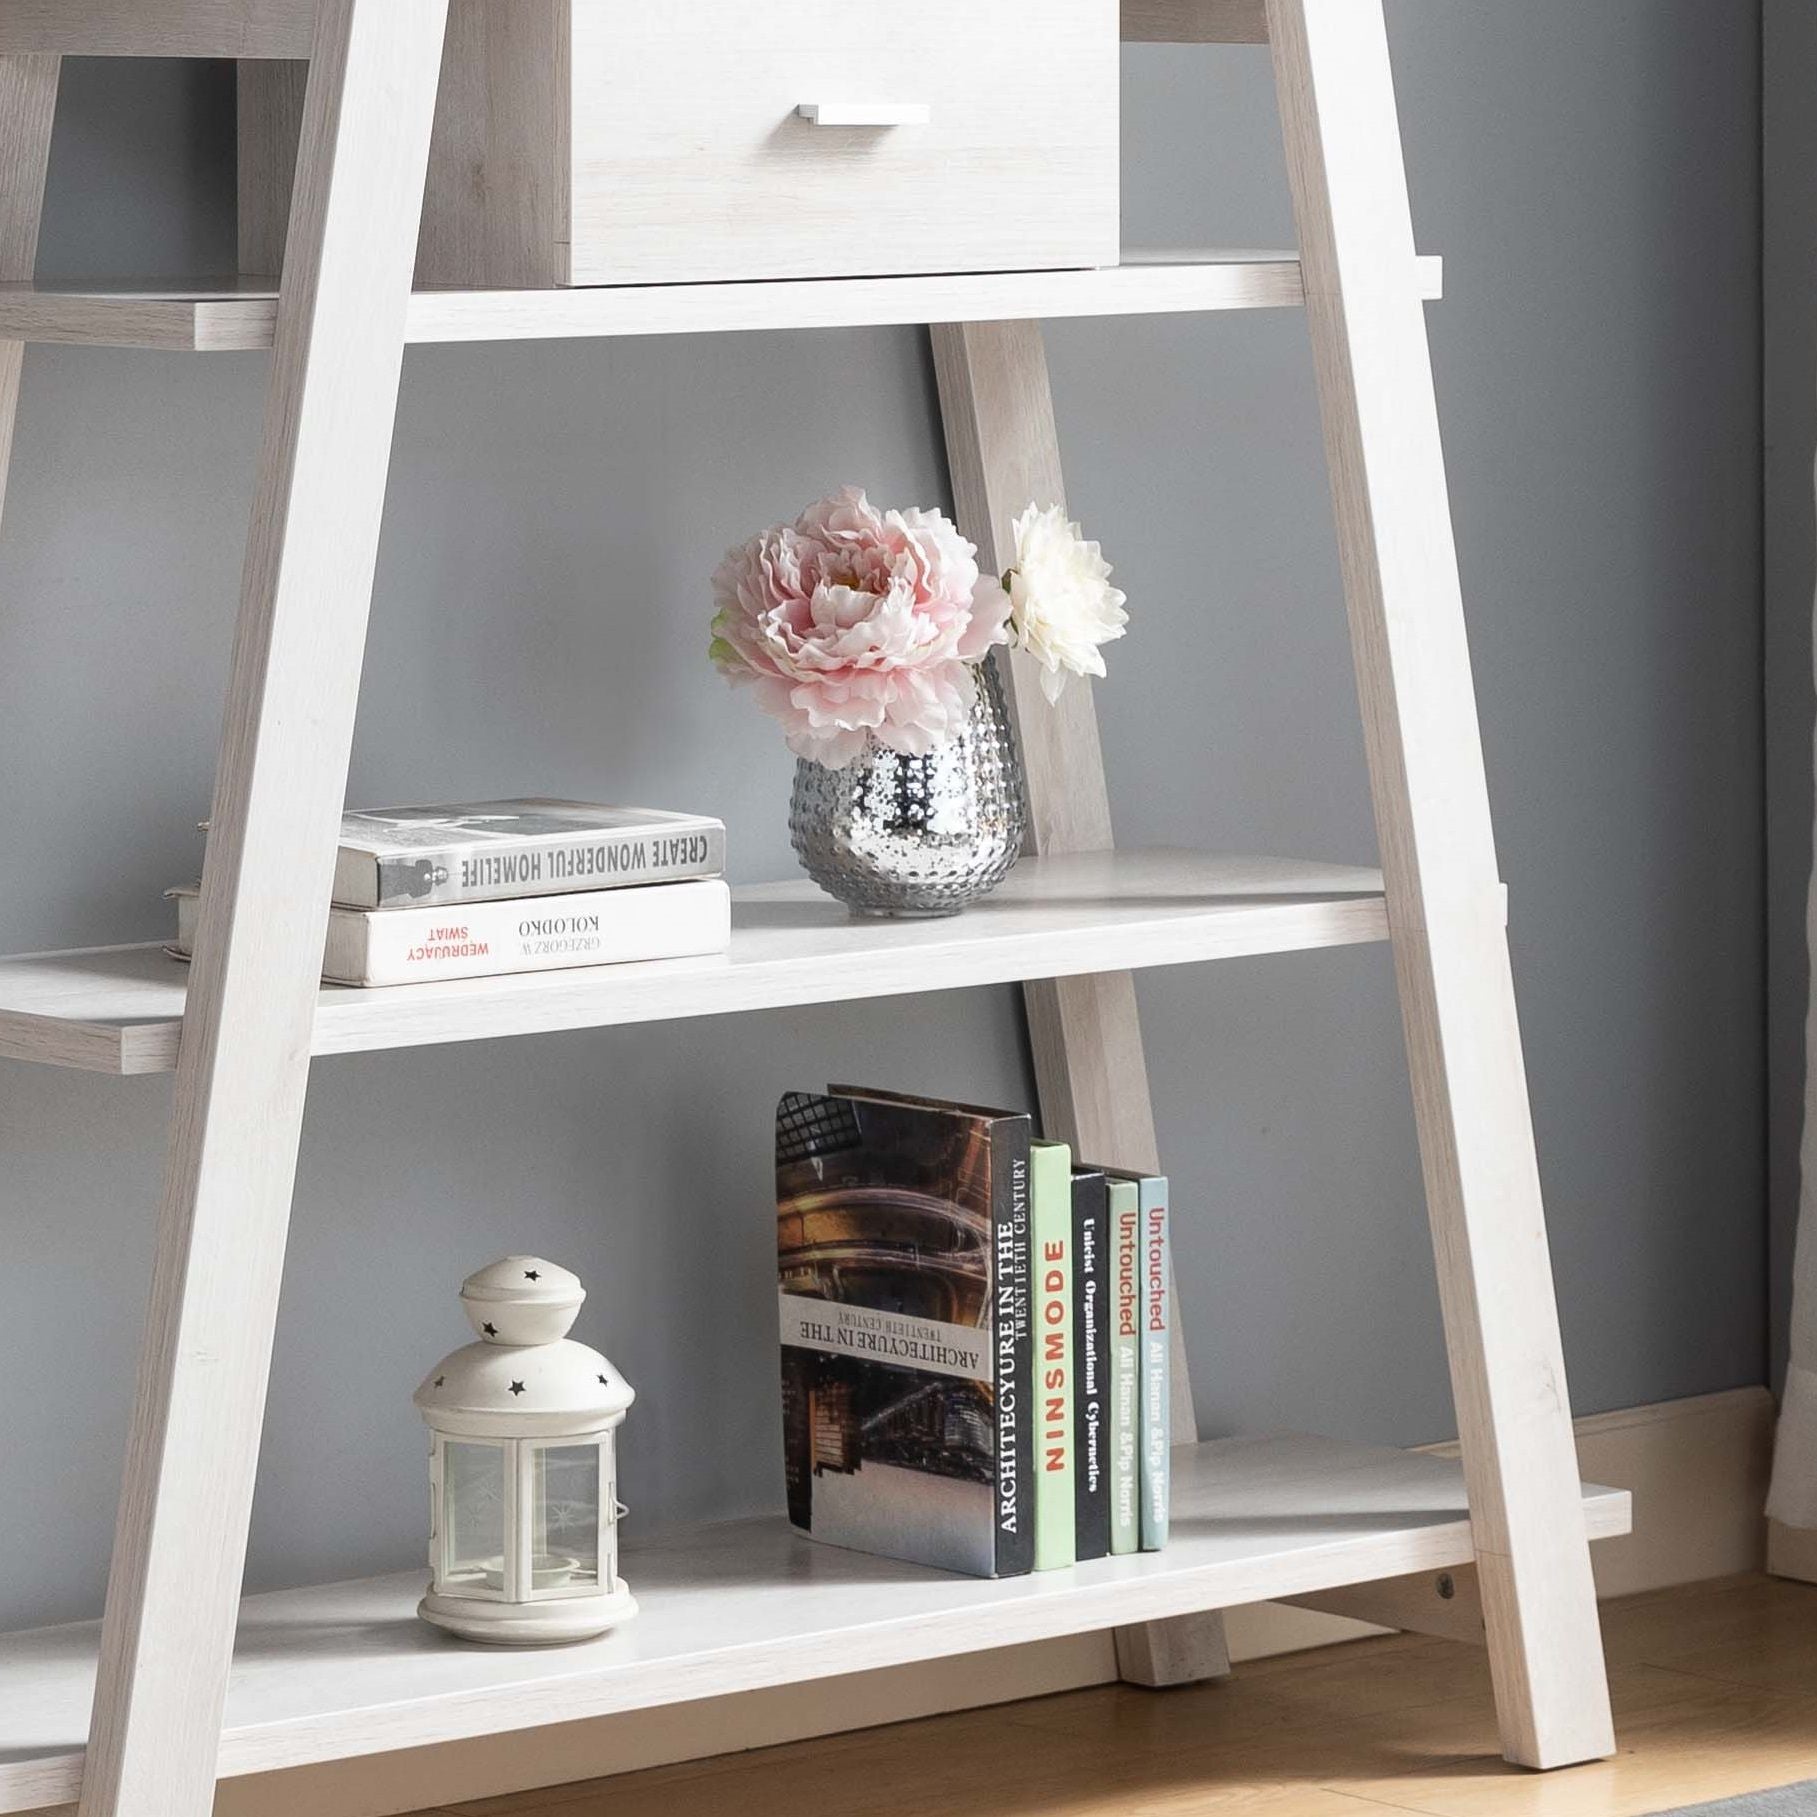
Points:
(1051, 1168)
(1125, 1365)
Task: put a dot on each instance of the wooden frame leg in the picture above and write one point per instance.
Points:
(28, 106)
(270, 96)
(1445, 902)
(1085, 1032)
(167, 1639)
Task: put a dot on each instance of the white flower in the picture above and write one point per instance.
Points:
(1062, 605)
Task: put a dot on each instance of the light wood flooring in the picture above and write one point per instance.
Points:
(1715, 1694)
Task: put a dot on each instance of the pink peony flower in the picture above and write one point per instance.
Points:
(853, 622)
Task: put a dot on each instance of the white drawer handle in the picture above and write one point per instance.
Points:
(865, 113)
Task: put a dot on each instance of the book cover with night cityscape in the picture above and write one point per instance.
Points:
(903, 1269)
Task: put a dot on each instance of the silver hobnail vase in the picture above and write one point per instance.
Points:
(916, 836)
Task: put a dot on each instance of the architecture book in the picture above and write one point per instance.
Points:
(1051, 1169)
(1125, 1202)
(903, 1258)
(484, 851)
(1091, 1364)
(1155, 1315)
(538, 933)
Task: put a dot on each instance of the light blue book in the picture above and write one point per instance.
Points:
(1153, 1270)
(1157, 1352)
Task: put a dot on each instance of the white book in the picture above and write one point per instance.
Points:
(486, 851)
(532, 934)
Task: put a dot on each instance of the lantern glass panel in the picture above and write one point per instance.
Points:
(564, 1519)
(473, 1518)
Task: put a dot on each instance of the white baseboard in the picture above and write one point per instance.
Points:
(1792, 1552)
(1697, 1468)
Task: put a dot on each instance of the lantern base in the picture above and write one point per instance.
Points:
(540, 1624)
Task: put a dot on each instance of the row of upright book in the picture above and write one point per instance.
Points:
(472, 889)
(975, 1337)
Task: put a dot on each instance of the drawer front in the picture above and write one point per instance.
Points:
(689, 159)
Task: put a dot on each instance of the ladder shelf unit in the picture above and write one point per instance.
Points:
(135, 1716)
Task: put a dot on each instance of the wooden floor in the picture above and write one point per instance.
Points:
(1715, 1694)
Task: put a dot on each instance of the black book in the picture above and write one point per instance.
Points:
(903, 1257)
(1091, 1377)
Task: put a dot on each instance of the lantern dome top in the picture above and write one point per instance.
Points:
(503, 1390)
(522, 1299)
(526, 1377)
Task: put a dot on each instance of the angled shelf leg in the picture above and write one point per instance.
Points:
(28, 105)
(1087, 1039)
(167, 1637)
(1445, 902)
(269, 124)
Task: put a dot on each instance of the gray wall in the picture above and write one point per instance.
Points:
(1789, 263)
(1591, 175)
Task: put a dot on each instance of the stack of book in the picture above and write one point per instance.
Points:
(975, 1337)
(429, 893)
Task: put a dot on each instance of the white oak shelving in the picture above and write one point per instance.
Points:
(240, 316)
(139, 1717)
(120, 1009)
(345, 1669)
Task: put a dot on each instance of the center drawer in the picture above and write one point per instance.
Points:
(640, 142)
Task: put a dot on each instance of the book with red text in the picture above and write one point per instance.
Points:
(1051, 1175)
(1125, 1201)
(1154, 1271)
(534, 934)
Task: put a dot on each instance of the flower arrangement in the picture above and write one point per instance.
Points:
(1062, 607)
(853, 623)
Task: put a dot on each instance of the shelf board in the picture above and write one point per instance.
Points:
(343, 1670)
(285, 28)
(120, 1009)
(238, 315)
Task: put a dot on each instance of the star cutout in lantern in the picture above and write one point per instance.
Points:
(530, 1274)
(491, 1331)
(517, 1387)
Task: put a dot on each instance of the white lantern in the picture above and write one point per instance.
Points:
(523, 1544)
